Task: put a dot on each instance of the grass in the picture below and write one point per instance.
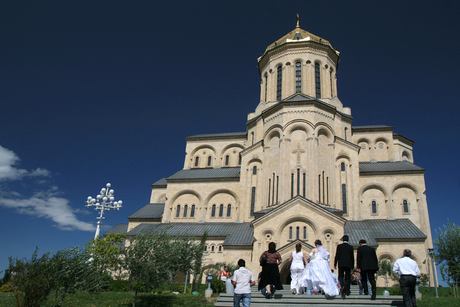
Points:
(120, 299)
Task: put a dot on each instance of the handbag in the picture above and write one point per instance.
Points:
(263, 261)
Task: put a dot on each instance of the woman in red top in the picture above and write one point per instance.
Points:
(224, 274)
(270, 273)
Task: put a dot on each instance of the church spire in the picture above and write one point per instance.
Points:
(297, 26)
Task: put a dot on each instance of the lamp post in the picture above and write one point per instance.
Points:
(433, 264)
(104, 201)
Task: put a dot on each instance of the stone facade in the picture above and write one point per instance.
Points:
(300, 171)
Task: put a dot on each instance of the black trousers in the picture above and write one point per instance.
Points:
(368, 275)
(345, 280)
(407, 283)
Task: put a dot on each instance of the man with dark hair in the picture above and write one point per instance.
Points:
(345, 258)
(408, 271)
(367, 265)
(242, 281)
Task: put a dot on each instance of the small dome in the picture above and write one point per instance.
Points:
(299, 35)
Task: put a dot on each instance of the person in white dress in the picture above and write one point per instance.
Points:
(298, 261)
(317, 274)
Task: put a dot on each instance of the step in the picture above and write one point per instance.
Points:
(283, 299)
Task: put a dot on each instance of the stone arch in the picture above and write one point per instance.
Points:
(324, 129)
(387, 255)
(254, 160)
(233, 145)
(343, 155)
(407, 185)
(204, 146)
(273, 131)
(406, 156)
(184, 192)
(382, 139)
(222, 191)
(299, 218)
(302, 125)
(374, 185)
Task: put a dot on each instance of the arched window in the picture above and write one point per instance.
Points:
(253, 200)
(192, 211)
(178, 211)
(317, 80)
(239, 160)
(185, 210)
(266, 87)
(332, 88)
(344, 198)
(297, 232)
(342, 166)
(229, 210)
(279, 80)
(221, 210)
(405, 206)
(304, 232)
(290, 233)
(374, 207)
(206, 248)
(213, 211)
(254, 170)
(220, 248)
(197, 160)
(292, 185)
(298, 77)
(212, 248)
(209, 160)
(227, 159)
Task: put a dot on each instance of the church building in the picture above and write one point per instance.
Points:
(299, 171)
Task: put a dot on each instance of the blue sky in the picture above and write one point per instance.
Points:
(106, 91)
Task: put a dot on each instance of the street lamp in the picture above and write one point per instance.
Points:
(104, 201)
(432, 256)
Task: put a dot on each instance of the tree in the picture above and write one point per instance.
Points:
(448, 254)
(30, 279)
(71, 271)
(386, 270)
(424, 279)
(107, 252)
(197, 266)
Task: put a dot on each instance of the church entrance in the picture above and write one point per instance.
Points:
(285, 273)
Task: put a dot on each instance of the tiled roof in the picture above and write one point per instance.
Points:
(207, 173)
(160, 183)
(237, 234)
(373, 230)
(372, 127)
(218, 135)
(388, 167)
(120, 228)
(149, 211)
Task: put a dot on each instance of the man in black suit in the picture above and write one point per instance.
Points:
(367, 265)
(345, 257)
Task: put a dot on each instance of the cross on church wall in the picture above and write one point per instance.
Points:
(298, 152)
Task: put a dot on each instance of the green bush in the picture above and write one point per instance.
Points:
(218, 286)
(6, 288)
(119, 285)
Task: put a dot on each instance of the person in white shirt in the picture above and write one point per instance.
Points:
(243, 280)
(408, 271)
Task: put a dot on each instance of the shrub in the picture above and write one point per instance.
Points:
(218, 286)
(119, 285)
(6, 288)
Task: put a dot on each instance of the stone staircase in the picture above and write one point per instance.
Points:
(284, 298)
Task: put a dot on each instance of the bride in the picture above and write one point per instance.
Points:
(317, 274)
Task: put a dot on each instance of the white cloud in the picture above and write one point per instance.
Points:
(53, 208)
(46, 203)
(7, 170)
